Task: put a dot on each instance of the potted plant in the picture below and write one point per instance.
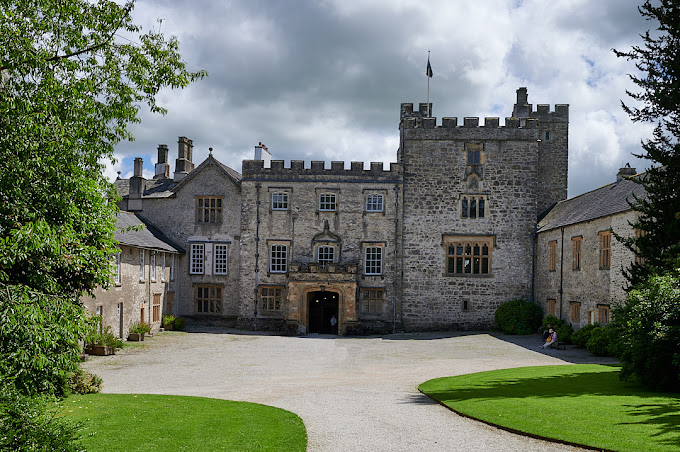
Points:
(138, 330)
(168, 322)
(102, 344)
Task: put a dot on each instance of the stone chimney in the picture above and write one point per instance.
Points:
(137, 185)
(162, 167)
(262, 153)
(625, 173)
(184, 164)
(522, 108)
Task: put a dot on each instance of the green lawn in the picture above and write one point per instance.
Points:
(584, 404)
(125, 422)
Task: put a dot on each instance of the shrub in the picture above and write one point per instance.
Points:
(30, 423)
(106, 337)
(581, 337)
(179, 323)
(649, 329)
(168, 321)
(518, 317)
(564, 329)
(82, 382)
(598, 344)
(140, 328)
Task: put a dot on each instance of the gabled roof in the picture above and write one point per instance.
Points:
(608, 200)
(134, 230)
(232, 175)
(166, 188)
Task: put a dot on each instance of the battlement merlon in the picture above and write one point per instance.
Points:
(470, 123)
(523, 109)
(254, 169)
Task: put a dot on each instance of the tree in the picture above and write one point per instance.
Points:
(658, 244)
(70, 87)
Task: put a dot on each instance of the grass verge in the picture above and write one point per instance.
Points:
(124, 422)
(583, 404)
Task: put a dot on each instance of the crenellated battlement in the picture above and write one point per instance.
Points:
(411, 120)
(255, 169)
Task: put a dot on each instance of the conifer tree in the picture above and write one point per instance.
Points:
(657, 244)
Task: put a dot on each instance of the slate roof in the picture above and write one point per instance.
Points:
(608, 200)
(148, 237)
(166, 188)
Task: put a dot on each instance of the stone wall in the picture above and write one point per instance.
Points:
(436, 176)
(590, 285)
(303, 225)
(176, 217)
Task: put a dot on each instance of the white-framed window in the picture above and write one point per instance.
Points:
(278, 259)
(373, 260)
(327, 202)
(197, 263)
(374, 203)
(162, 266)
(220, 258)
(116, 275)
(141, 265)
(172, 267)
(325, 254)
(280, 201)
(153, 266)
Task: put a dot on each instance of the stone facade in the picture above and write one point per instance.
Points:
(437, 241)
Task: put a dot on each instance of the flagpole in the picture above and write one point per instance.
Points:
(429, 113)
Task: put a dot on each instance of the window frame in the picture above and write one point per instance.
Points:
(603, 314)
(552, 255)
(371, 206)
(575, 311)
(197, 259)
(375, 261)
(163, 264)
(152, 264)
(142, 265)
(220, 266)
(577, 246)
(328, 250)
(605, 249)
(372, 300)
(209, 214)
(117, 275)
(330, 206)
(473, 206)
(210, 300)
(278, 264)
(551, 305)
(273, 300)
(285, 202)
(156, 308)
(460, 254)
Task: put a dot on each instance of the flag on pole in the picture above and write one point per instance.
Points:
(428, 72)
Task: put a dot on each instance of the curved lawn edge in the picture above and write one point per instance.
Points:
(166, 422)
(584, 405)
(515, 431)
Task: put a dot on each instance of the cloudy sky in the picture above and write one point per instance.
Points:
(323, 79)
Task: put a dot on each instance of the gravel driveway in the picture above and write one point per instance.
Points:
(353, 394)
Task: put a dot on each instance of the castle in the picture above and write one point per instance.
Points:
(438, 241)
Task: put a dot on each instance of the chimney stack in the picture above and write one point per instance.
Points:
(137, 185)
(262, 153)
(162, 167)
(184, 164)
(625, 173)
(522, 108)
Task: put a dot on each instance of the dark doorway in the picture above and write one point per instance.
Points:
(323, 306)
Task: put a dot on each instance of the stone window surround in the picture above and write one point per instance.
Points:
(283, 260)
(480, 209)
(470, 239)
(209, 209)
(372, 299)
(208, 298)
(379, 260)
(285, 192)
(577, 244)
(271, 298)
(330, 199)
(474, 153)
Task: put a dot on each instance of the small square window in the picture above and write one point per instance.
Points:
(374, 203)
(327, 202)
(280, 201)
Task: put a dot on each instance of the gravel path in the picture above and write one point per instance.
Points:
(353, 394)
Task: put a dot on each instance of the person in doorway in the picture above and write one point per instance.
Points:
(551, 339)
(334, 324)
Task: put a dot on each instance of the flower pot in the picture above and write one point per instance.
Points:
(169, 326)
(136, 337)
(99, 350)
